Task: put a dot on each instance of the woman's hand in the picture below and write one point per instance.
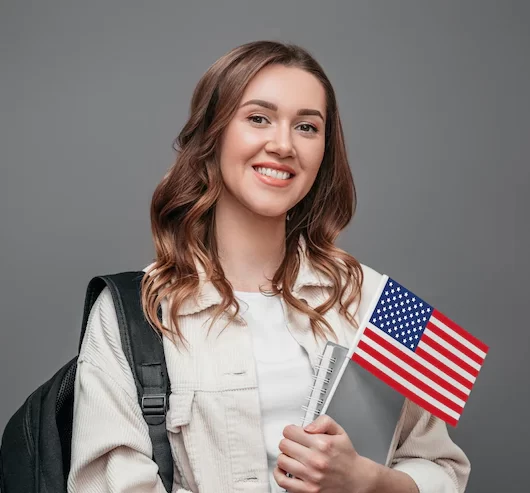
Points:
(322, 459)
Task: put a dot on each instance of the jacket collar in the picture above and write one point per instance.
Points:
(208, 295)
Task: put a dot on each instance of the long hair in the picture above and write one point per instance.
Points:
(183, 204)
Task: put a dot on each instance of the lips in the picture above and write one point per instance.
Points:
(275, 166)
(273, 181)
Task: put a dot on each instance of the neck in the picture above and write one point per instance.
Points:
(251, 247)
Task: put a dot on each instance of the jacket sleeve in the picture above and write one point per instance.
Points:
(426, 452)
(111, 447)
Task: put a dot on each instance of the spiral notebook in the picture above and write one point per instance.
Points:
(367, 408)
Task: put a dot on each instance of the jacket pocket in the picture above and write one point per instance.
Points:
(177, 423)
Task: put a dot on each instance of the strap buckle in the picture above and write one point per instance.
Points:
(154, 404)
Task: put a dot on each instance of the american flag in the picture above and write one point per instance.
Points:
(420, 352)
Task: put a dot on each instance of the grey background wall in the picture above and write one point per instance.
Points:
(435, 102)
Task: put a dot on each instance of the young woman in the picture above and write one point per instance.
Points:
(251, 287)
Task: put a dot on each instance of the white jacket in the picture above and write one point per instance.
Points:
(214, 420)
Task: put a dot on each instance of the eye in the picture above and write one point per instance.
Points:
(257, 119)
(307, 128)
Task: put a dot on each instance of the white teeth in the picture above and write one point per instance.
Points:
(281, 175)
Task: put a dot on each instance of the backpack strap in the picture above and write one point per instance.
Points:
(144, 351)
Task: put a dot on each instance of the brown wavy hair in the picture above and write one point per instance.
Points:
(183, 204)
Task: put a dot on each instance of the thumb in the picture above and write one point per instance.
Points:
(325, 425)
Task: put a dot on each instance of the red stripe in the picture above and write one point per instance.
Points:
(459, 330)
(456, 344)
(443, 367)
(412, 361)
(413, 380)
(404, 391)
(448, 354)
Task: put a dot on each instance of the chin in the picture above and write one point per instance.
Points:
(268, 212)
(271, 215)
(266, 207)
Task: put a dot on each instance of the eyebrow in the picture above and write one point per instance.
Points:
(273, 107)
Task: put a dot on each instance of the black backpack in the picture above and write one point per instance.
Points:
(35, 450)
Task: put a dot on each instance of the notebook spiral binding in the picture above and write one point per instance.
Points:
(319, 389)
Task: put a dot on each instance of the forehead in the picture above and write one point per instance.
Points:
(290, 88)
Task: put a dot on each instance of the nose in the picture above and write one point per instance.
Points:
(281, 142)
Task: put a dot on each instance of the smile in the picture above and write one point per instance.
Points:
(281, 175)
(273, 177)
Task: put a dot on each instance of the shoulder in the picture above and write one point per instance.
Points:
(371, 278)
(102, 326)
(370, 285)
(102, 347)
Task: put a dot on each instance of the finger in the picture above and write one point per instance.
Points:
(292, 466)
(326, 425)
(295, 450)
(297, 434)
(312, 441)
(292, 485)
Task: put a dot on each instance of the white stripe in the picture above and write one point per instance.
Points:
(405, 383)
(420, 360)
(440, 357)
(462, 340)
(415, 372)
(450, 347)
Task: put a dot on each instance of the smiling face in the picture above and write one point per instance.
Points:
(272, 148)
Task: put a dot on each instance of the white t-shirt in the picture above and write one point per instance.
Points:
(283, 370)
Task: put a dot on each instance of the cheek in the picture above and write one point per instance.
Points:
(311, 157)
(240, 143)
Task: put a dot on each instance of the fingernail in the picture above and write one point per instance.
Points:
(310, 427)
